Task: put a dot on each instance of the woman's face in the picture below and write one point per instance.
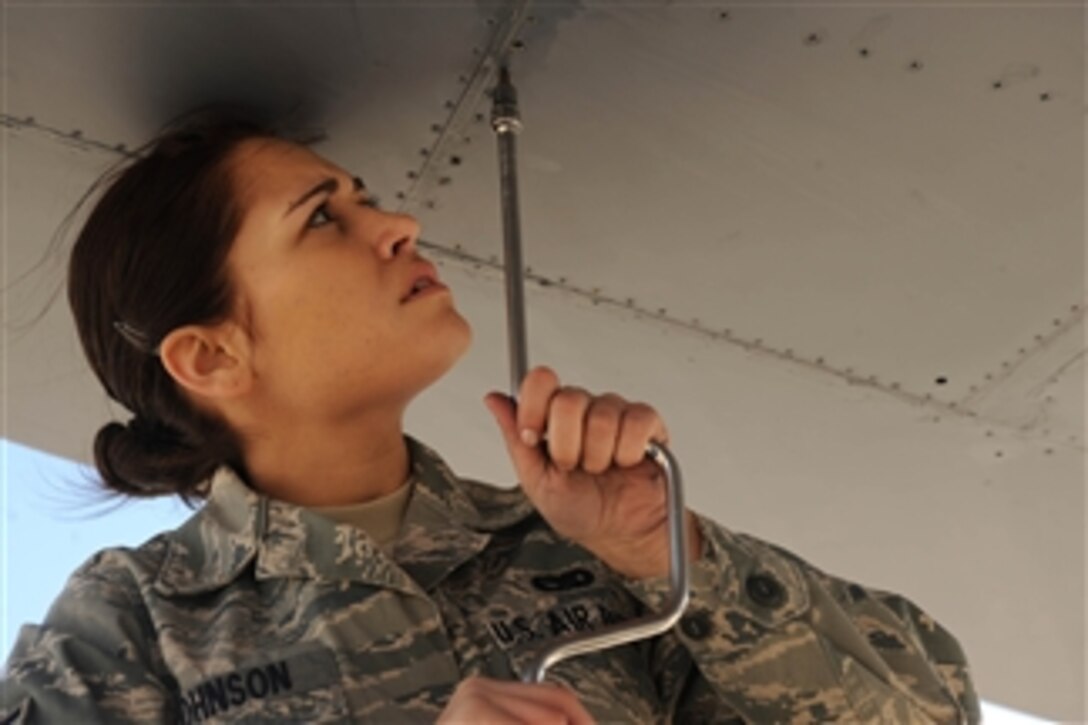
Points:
(322, 276)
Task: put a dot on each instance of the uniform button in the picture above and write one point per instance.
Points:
(696, 625)
(764, 590)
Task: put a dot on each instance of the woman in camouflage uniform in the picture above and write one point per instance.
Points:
(263, 320)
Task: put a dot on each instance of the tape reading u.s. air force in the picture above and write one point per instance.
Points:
(587, 612)
(293, 674)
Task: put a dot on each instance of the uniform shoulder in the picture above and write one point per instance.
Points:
(121, 567)
(886, 618)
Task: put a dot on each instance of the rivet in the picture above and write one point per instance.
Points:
(819, 361)
(444, 181)
(518, 45)
(448, 104)
(998, 85)
(455, 160)
(723, 16)
(661, 311)
(1049, 451)
(864, 52)
(400, 194)
(436, 128)
(916, 65)
(479, 117)
(413, 175)
(1075, 308)
(77, 133)
(1044, 97)
(813, 39)
(429, 204)
(424, 152)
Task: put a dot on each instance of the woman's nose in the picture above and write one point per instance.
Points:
(399, 235)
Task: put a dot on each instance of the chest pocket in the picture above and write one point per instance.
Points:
(302, 686)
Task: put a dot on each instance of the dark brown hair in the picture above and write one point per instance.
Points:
(150, 258)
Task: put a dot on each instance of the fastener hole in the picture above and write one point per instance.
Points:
(942, 380)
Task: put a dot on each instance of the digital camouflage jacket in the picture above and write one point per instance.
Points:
(256, 610)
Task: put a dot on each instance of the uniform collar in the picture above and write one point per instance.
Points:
(448, 520)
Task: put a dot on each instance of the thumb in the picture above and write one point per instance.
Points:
(528, 461)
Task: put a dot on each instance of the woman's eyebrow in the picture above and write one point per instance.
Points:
(329, 186)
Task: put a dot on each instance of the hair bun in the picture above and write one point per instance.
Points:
(145, 458)
(151, 435)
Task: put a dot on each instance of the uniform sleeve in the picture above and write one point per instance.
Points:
(91, 660)
(768, 637)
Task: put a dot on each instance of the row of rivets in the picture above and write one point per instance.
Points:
(865, 51)
(75, 135)
(1058, 327)
(440, 129)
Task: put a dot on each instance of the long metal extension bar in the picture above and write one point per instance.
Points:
(506, 122)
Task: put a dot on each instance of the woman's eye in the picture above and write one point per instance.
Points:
(320, 217)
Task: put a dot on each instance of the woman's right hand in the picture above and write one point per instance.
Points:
(480, 700)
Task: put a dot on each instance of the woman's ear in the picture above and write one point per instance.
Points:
(212, 362)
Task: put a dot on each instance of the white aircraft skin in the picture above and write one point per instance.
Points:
(839, 248)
